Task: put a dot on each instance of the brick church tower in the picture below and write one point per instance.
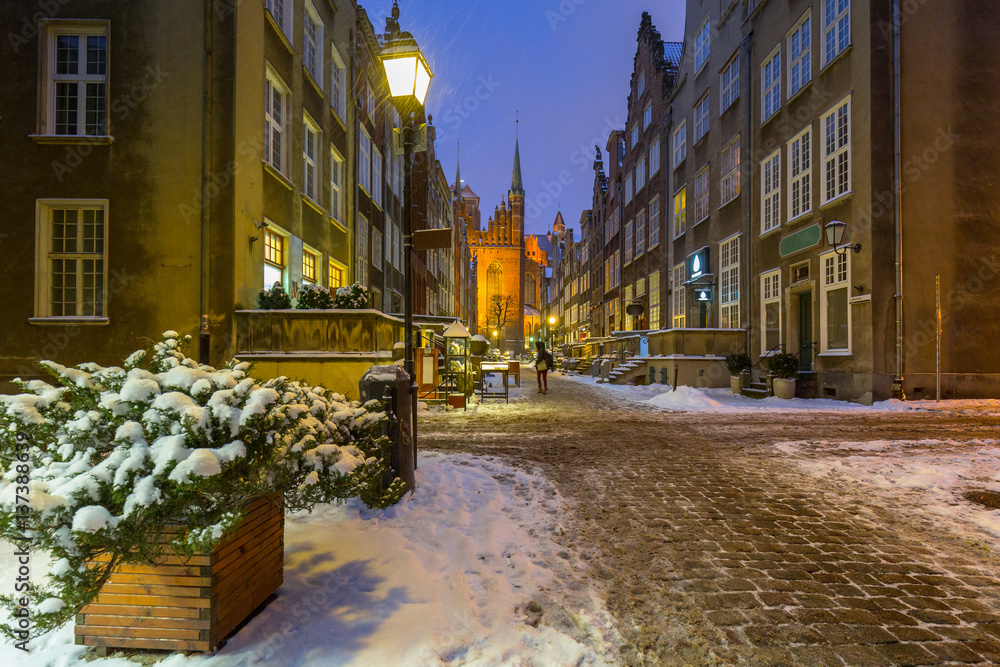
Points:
(500, 264)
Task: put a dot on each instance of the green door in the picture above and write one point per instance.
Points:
(805, 332)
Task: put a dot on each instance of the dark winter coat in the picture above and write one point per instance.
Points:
(544, 354)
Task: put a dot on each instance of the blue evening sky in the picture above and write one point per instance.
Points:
(564, 65)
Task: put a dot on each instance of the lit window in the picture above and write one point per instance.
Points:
(680, 212)
(799, 55)
(800, 174)
(679, 296)
(310, 151)
(729, 283)
(72, 272)
(336, 185)
(770, 97)
(654, 300)
(701, 118)
(680, 143)
(730, 84)
(275, 111)
(701, 195)
(770, 184)
(74, 93)
(310, 260)
(274, 258)
(702, 45)
(730, 184)
(770, 290)
(312, 36)
(835, 310)
(836, 28)
(836, 127)
(335, 274)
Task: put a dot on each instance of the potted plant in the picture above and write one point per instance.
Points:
(785, 368)
(166, 463)
(736, 363)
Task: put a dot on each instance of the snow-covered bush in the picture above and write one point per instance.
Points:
(355, 296)
(313, 297)
(275, 298)
(119, 454)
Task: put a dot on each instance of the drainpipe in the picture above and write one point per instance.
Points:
(747, 47)
(897, 382)
(204, 337)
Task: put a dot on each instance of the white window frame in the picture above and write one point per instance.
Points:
(678, 297)
(653, 220)
(317, 267)
(770, 192)
(640, 232)
(282, 11)
(629, 187)
(836, 137)
(836, 32)
(377, 188)
(45, 255)
(770, 293)
(702, 45)
(679, 212)
(338, 84)
(276, 121)
(679, 139)
(702, 121)
(312, 43)
(654, 156)
(362, 245)
(654, 300)
(729, 184)
(628, 242)
(337, 187)
(640, 173)
(377, 249)
(48, 88)
(640, 86)
(799, 41)
(729, 83)
(729, 283)
(839, 278)
(647, 116)
(311, 141)
(283, 268)
(365, 160)
(635, 135)
(701, 195)
(770, 84)
(800, 152)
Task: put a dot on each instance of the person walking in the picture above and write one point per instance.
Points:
(543, 362)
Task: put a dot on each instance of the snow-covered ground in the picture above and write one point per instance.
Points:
(458, 573)
(928, 477)
(723, 400)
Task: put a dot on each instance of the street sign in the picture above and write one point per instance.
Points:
(419, 140)
(431, 239)
(703, 293)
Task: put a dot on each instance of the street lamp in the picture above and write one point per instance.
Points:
(552, 324)
(835, 231)
(408, 76)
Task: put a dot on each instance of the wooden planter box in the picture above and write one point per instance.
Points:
(191, 604)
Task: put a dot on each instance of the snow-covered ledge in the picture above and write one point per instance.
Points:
(333, 348)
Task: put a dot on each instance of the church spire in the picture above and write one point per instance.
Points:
(458, 172)
(516, 186)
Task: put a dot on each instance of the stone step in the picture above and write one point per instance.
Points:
(754, 393)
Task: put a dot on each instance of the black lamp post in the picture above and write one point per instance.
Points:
(408, 76)
(835, 231)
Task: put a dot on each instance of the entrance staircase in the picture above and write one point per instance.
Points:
(629, 372)
(757, 390)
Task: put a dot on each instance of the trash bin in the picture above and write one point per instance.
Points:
(391, 386)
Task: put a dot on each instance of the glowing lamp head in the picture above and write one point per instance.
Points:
(552, 320)
(835, 232)
(406, 70)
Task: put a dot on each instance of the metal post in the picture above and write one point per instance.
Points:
(937, 292)
(407, 279)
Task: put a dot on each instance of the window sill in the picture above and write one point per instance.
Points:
(680, 164)
(281, 178)
(837, 201)
(726, 203)
(340, 121)
(701, 221)
(313, 204)
(843, 54)
(69, 321)
(836, 353)
(680, 236)
(770, 232)
(74, 139)
(277, 29)
(338, 224)
(799, 218)
(309, 77)
(653, 247)
(767, 121)
(800, 92)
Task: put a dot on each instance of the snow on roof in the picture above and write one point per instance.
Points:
(456, 330)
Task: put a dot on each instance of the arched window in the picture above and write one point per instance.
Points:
(494, 281)
(530, 291)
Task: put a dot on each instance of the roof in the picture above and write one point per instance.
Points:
(467, 192)
(672, 52)
(531, 311)
(516, 186)
(457, 330)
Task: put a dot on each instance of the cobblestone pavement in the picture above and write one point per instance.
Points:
(711, 549)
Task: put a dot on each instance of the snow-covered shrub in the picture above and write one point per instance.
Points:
(312, 297)
(355, 296)
(275, 298)
(119, 454)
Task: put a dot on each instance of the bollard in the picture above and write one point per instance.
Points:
(391, 386)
